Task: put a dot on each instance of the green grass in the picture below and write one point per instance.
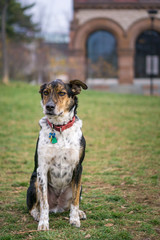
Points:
(121, 167)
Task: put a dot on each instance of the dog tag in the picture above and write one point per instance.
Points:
(53, 138)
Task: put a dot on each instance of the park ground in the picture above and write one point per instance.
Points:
(120, 171)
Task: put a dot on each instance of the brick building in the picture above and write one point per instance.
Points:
(112, 41)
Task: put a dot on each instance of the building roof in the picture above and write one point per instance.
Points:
(136, 4)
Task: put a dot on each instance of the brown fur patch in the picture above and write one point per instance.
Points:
(76, 192)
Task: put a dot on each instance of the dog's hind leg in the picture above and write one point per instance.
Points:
(32, 192)
(32, 198)
(75, 213)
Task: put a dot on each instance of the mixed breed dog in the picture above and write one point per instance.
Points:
(55, 184)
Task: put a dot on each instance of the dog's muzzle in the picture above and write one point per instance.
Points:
(50, 107)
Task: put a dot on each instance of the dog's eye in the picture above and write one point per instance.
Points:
(61, 93)
(45, 93)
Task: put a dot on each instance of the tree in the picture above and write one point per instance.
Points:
(4, 48)
(15, 24)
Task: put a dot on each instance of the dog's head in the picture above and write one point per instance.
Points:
(59, 98)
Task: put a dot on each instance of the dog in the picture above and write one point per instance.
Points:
(55, 184)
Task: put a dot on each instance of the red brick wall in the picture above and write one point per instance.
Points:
(109, 1)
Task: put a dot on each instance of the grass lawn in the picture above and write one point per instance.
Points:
(120, 171)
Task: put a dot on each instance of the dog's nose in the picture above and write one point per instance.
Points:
(50, 107)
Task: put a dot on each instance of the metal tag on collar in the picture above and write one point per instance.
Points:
(60, 130)
(53, 138)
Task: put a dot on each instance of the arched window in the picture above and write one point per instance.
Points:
(101, 55)
(147, 47)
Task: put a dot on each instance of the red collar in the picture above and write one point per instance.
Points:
(61, 128)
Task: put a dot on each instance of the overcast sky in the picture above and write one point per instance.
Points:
(53, 15)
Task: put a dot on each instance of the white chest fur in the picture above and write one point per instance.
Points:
(59, 160)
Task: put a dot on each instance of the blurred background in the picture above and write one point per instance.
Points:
(112, 45)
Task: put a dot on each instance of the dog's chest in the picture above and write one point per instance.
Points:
(61, 158)
(61, 169)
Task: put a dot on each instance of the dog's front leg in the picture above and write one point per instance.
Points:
(43, 198)
(76, 187)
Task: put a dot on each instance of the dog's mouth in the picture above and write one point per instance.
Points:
(51, 113)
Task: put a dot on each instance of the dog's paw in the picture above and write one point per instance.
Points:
(82, 215)
(43, 225)
(35, 214)
(74, 216)
(75, 222)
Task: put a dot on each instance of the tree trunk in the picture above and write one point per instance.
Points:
(5, 78)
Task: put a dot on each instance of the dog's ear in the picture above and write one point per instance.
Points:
(42, 87)
(76, 86)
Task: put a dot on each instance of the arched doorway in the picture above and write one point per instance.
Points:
(147, 46)
(101, 55)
